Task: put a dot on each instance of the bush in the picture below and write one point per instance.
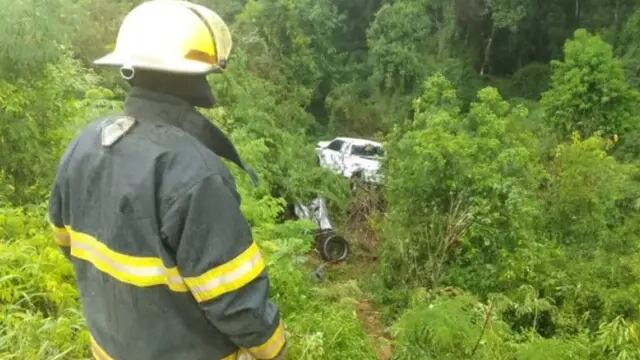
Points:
(586, 189)
(530, 81)
(457, 184)
(618, 340)
(556, 349)
(268, 124)
(321, 325)
(38, 118)
(456, 327)
(39, 315)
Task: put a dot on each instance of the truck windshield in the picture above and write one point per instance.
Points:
(367, 150)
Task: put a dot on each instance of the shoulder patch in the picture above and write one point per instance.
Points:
(115, 129)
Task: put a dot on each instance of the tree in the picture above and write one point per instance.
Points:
(289, 41)
(629, 47)
(398, 39)
(505, 14)
(410, 40)
(589, 92)
(33, 32)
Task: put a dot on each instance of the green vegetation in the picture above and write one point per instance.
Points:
(508, 226)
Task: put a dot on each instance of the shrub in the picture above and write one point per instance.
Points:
(38, 118)
(457, 182)
(39, 315)
(456, 327)
(556, 349)
(321, 325)
(586, 189)
(619, 340)
(530, 81)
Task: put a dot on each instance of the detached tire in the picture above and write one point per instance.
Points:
(333, 248)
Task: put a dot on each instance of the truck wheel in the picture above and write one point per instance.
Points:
(333, 248)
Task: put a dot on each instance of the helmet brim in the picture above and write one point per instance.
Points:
(178, 66)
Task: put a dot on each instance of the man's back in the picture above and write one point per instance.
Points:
(164, 259)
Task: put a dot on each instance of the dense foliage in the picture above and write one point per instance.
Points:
(548, 234)
(511, 212)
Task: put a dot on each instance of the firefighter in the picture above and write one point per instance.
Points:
(148, 214)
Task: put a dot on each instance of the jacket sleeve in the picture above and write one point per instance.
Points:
(60, 233)
(223, 267)
(57, 204)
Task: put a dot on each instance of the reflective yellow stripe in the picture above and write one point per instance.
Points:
(229, 276)
(137, 271)
(151, 271)
(233, 356)
(61, 235)
(98, 352)
(272, 347)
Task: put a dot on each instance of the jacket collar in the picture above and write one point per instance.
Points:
(144, 104)
(147, 105)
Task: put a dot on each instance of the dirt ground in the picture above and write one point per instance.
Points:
(365, 241)
(373, 326)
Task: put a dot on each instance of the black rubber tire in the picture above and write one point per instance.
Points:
(333, 248)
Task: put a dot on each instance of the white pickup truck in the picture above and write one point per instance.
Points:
(352, 158)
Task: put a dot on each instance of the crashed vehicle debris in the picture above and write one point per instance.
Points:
(352, 158)
(331, 246)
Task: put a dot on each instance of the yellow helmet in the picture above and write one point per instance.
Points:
(171, 36)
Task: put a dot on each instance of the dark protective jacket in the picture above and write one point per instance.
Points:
(165, 262)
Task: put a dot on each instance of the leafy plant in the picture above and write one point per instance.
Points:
(445, 169)
(589, 92)
(451, 328)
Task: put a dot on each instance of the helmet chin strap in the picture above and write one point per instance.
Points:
(194, 89)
